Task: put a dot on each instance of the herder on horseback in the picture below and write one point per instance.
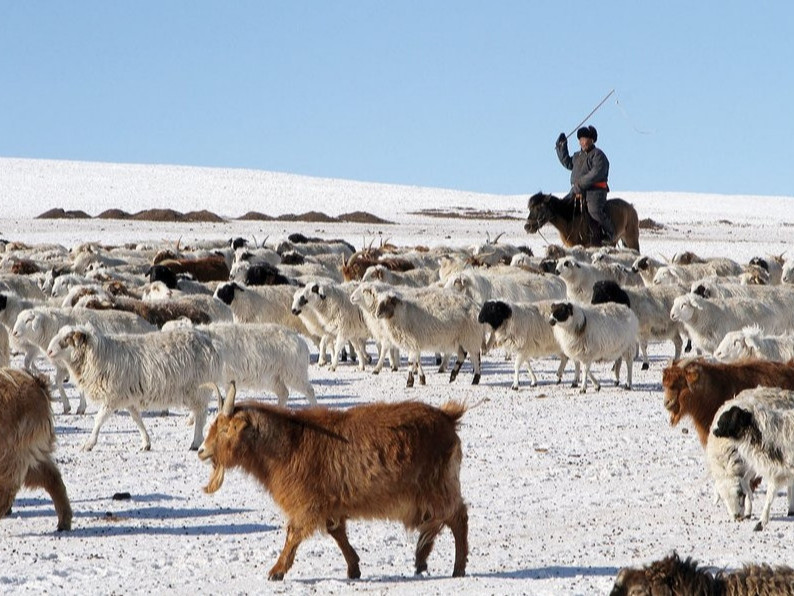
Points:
(589, 172)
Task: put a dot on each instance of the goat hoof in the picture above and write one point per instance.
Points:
(354, 573)
(275, 576)
(476, 380)
(645, 366)
(410, 382)
(514, 387)
(376, 372)
(758, 527)
(422, 380)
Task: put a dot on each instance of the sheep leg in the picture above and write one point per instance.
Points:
(458, 363)
(790, 493)
(746, 485)
(305, 387)
(394, 358)
(533, 378)
(459, 525)
(199, 420)
(321, 358)
(644, 351)
(474, 356)
(45, 474)
(677, 346)
(616, 369)
(295, 536)
(100, 418)
(517, 370)
(561, 367)
(59, 385)
(771, 489)
(382, 349)
(338, 532)
(146, 444)
(281, 391)
(339, 343)
(577, 373)
(425, 543)
(629, 371)
(422, 378)
(442, 361)
(363, 357)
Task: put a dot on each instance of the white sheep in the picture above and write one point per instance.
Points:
(415, 278)
(597, 332)
(760, 422)
(10, 307)
(339, 317)
(652, 306)
(751, 342)
(646, 267)
(38, 325)
(505, 283)
(262, 304)
(707, 321)
(433, 320)
(262, 357)
(522, 329)
(152, 371)
(579, 278)
(686, 274)
(365, 296)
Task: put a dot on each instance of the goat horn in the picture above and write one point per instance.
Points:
(212, 385)
(178, 242)
(255, 242)
(499, 235)
(228, 403)
(265, 241)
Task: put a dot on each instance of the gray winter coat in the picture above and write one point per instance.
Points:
(587, 169)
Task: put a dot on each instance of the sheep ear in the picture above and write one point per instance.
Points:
(35, 324)
(751, 341)
(228, 404)
(78, 338)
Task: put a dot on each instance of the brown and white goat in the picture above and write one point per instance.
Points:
(398, 461)
(698, 387)
(672, 576)
(27, 439)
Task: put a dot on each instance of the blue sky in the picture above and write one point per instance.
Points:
(464, 95)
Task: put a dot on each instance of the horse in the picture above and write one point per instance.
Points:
(573, 223)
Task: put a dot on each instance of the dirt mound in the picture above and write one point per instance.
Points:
(256, 216)
(362, 217)
(649, 224)
(465, 213)
(59, 213)
(114, 214)
(309, 216)
(203, 216)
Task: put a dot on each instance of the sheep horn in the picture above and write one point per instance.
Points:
(228, 403)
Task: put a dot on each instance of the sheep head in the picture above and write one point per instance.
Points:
(68, 340)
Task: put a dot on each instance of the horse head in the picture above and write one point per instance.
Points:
(539, 213)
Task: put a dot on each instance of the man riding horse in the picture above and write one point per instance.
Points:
(589, 172)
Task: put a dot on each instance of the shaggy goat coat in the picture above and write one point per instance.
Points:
(398, 461)
(27, 440)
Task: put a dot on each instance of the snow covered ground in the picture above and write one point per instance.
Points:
(563, 489)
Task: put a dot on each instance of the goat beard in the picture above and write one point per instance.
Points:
(216, 479)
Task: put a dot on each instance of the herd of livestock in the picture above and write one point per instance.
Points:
(148, 327)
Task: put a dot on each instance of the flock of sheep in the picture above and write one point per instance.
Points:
(145, 328)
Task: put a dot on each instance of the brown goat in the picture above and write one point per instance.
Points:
(354, 267)
(699, 387)
(212, 268)
(397, 461)
(27, 440)
(672, 577)
(157, 313)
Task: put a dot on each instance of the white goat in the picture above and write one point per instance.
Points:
(522, 329)
(760, 422)
(140, 372)
(338, 316)
(433, 320)
(707, 321)
(593, 333)
(38, 325)
(751, 342)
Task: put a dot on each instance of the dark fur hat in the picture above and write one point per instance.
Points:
(587, 131)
